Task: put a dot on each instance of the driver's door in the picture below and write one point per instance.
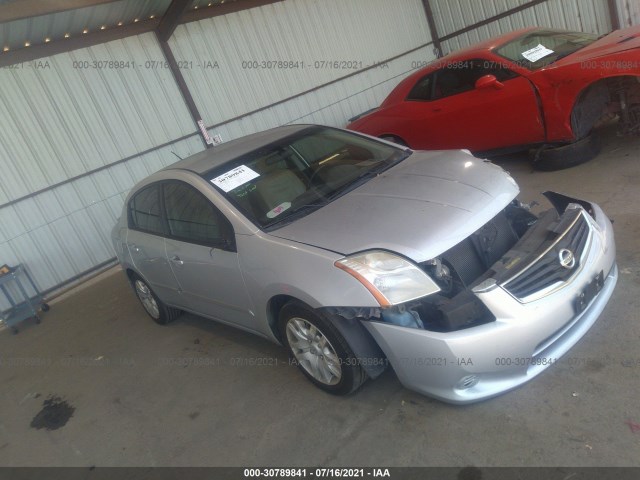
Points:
(456, 114)
(201, 250)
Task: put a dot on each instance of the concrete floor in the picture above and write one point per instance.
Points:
(146, 395)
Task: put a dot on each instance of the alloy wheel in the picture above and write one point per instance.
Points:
(146, 298)
(313, 351)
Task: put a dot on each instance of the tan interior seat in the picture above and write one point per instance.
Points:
(279, 186)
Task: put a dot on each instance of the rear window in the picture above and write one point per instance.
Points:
(144, 211)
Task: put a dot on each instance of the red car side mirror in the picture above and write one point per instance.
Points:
(487, 81)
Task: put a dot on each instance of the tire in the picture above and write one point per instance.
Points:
(329, 363)
(155, 308)
(567, 156)
(394, 139)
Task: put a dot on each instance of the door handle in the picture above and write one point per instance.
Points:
(176, 259)
(134, 247)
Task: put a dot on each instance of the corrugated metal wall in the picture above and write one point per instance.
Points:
(629, 12)
(452, 15)
(61, 118)
(54, 26)
(310, 36)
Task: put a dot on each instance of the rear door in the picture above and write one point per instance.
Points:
(200, 247)
(147, 246)
(445, 110)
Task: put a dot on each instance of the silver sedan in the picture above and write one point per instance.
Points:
(356, 253)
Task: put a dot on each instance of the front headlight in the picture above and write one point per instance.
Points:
(390, 278)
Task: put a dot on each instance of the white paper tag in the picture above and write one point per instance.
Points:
(536, 53)
(234, 178)
(278, 210)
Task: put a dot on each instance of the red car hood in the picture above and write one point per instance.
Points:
(615, 42)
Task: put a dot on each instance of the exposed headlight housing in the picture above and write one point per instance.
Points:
(390, 278)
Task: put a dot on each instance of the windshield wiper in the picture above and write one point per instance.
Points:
(294, 214)
(561, 56)
(368, 174)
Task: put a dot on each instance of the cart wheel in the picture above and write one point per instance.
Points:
(45, 307)
(14, 331)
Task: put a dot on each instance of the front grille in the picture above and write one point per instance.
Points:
(547, 270)
(472, 257)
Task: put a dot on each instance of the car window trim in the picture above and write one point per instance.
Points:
(130, 221)
(229, 245)
(435, 73)
(431, 87)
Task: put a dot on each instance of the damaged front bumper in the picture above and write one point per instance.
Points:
(527, 336)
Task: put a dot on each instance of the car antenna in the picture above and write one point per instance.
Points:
(177, 155)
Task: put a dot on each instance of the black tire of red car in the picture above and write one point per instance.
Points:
(150, 302)
(394, 139)
(352, 375)
(566, 156)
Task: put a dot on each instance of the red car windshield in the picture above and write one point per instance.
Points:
(540, 48)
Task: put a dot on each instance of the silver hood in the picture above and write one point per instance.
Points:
(419, 208)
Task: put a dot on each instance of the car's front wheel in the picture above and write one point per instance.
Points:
(567, 156)
(319, 350)
(155, 308)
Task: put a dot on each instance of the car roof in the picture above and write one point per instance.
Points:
(212, 157)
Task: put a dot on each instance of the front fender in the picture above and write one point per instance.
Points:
(273, 266)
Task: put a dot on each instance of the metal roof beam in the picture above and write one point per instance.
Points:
(68, 44)
(23, 55)
(435, 37)
(171, 18)
(224, 9)
(34, 8)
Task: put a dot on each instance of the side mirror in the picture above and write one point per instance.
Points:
(488, 81)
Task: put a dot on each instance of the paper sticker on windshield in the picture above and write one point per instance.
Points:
(278, 210)
(536, 53)
(234, 178)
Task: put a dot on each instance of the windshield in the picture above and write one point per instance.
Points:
(540, 48)
(288, 179)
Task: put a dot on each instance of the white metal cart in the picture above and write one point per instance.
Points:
(29, 306)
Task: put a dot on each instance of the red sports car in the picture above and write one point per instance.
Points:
(534, 88)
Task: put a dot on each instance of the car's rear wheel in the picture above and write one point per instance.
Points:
(155, 308)
(321, 353)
